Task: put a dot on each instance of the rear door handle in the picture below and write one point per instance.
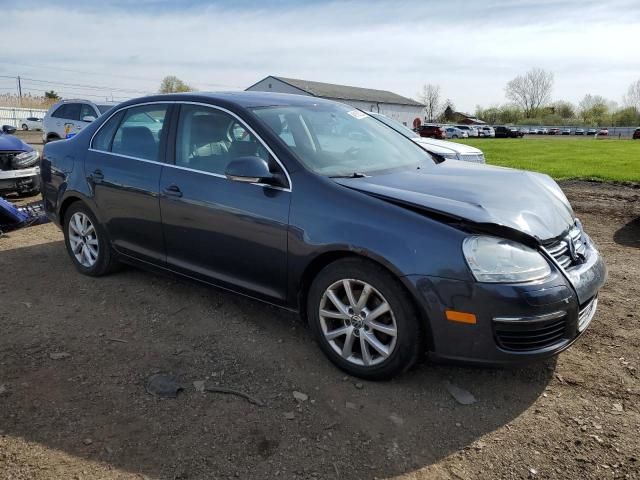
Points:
(97, 176)
(173, 191)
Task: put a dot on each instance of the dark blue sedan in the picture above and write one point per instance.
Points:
(387, 251)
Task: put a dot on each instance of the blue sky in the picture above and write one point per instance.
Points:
(471, 49)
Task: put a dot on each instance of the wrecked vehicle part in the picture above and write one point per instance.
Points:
(13, 218)
(19, 170)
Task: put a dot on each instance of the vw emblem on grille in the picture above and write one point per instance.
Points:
(573, 253)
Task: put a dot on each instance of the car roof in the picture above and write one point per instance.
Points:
(242, 99)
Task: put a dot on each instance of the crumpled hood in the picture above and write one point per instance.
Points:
(13, 143)
(531, 203)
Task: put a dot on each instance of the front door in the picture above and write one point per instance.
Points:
(123, 168)
(228, 233)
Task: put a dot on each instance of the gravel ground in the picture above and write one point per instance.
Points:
(75, 353)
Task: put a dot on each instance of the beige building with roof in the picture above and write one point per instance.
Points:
(400, 108)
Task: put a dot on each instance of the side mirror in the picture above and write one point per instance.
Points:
(88, 118)
(9, 129)
(251, 170)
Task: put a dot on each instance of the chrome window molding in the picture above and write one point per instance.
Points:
(216, 107)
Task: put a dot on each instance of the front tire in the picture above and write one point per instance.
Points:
(86, 241)
(364, 320)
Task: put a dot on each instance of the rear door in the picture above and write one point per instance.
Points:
(123, 168)
(224, 232)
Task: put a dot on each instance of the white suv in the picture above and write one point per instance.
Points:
(471, 131)
(67, 117)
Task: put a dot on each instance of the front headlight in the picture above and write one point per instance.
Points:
(497, 260)
(25, 160)
(452, 155)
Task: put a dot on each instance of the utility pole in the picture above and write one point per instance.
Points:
(19, 91)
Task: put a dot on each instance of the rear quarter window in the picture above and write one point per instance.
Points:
(104, 138)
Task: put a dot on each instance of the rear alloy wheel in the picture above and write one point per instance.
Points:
(364, 320)
(25, 126)
(86, 241)
(83, 240)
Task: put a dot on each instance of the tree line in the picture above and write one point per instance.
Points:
(530, 103)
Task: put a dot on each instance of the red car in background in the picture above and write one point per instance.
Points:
(431, 131)
(603, 132)
(636, 134)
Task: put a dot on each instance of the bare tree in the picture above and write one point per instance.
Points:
(430, 98)
(632, 98)
(531, 90)
(172, 84)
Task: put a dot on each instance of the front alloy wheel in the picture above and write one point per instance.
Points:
(358, 322)
(364, 320)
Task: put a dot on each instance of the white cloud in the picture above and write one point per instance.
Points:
(470, 48)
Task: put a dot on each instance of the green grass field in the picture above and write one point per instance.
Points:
(565, 158)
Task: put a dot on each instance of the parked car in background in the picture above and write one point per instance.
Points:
(19, 170)
(543, 131)
(68, 117)
(388, 252)
(442, 148)
(554, 131)
(454, 132)
(603, 132)
(636, 134)
(533, 131)
(592, 131)
(566, 131)
(486, 131)
(579, 131)
(508, 132)
(31, 123)
(431, 131)
(469, 129)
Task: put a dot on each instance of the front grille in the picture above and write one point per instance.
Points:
(522, 335)
(5, 160)
(472, 157)
(586, 313)
(570, 250)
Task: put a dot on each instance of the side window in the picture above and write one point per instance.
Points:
(102, 140)
(72, 112)
(208, 139)
(61, 111)
(87, 111)
(140, 131)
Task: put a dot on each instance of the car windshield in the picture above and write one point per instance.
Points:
(396, 125)
(337, 140)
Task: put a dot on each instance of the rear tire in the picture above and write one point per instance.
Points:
(87, 242)
(25, 126)
(349, 326)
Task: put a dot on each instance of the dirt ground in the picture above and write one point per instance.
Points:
(75, 353)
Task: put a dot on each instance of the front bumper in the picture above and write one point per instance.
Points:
(515, 323)
(23, 180)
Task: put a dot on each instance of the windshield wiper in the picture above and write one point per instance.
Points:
(351, 175)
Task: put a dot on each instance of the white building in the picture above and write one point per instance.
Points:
(403, 109)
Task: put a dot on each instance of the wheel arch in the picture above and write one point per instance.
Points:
(69, 200)
(326, 258)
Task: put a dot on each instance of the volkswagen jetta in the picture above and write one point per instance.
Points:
(312, 205)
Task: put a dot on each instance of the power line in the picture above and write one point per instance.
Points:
(41, 67)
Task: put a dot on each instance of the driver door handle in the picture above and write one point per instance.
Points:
(172, 191)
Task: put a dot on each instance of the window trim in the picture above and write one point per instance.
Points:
(174, 127)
